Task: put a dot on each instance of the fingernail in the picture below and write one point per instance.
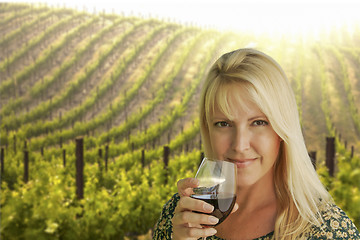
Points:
(212, 231)
(213, 220)
(194, 181)
(208, 207)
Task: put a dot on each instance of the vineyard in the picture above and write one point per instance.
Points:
(127, 89)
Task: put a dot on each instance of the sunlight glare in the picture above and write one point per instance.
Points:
(257, 16)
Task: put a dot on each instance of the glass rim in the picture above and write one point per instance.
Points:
(217, 160)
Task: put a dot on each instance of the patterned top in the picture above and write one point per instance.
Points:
(337, 225)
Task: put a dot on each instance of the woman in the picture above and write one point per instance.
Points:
(249, 115)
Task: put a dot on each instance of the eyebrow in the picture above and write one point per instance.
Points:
(213, 118)
(257, 116)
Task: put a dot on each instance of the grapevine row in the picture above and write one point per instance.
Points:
(45, 107)
(80, 129)
(48, 202)
(41, 86)
(17, 16)
(347, 177)
(20, 77)
(155, 130)
(27, 27)
(77, 112)
(347, 85)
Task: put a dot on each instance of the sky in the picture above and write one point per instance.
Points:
(274, 16)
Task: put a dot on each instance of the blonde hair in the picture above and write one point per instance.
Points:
(298, 188)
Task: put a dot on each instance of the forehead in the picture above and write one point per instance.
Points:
(235, 100)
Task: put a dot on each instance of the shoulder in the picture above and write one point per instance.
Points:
(336, 225)
(163, 228)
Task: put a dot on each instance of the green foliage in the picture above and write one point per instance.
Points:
(127, 197)
(47, 208)
(345, 186)
(26, 72)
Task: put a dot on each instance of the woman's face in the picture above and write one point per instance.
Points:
(246, 139)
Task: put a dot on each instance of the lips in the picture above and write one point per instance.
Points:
(243, 163)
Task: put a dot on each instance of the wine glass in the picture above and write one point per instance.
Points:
(217, 186)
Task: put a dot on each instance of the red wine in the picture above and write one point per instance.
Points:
(223, 204)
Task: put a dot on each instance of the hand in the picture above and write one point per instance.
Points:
(187, 223)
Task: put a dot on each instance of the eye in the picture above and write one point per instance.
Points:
(260, 123)
(221, 124)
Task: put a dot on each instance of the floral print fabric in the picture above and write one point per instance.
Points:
(337, 224)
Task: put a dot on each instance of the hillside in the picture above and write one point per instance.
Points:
(99, 70)
(131, 85)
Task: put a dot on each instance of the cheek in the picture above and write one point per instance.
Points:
(270, 145)
(219, 143)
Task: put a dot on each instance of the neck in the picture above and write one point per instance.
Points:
(256, 215)
(258, 195)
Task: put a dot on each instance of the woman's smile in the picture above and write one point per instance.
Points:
(243, 163)
(245, 136)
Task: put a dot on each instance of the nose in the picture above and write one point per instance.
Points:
(241, 140)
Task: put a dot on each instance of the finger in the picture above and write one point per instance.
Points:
(191, 204)
(194, 219)
(185, 186)
(192, 233)
(235, 208)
